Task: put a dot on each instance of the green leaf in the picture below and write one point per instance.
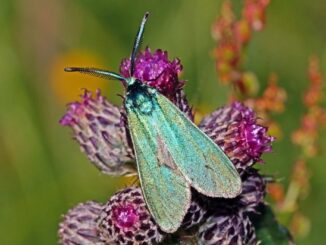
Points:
(268, 230)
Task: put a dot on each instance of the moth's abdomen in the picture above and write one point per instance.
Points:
(140, 98)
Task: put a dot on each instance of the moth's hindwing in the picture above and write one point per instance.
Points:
(165, 189)
(200, 160)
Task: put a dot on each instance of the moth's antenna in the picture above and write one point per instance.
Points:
(96, 72)
(137, 43)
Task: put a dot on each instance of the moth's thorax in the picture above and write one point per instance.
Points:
(140, 97)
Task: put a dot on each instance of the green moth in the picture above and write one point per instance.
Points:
(172, 154)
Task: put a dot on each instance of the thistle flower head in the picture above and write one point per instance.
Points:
(196, 214)
(235, 129)
(97, 127)
(227, 228)
(125, 219)
(79, 227)
(156, 70)
(253, 190)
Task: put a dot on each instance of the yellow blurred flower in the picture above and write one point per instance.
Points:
(68, 86)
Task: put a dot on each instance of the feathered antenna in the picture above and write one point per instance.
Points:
(96, 72)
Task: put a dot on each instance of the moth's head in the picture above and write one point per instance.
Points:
(127, 81)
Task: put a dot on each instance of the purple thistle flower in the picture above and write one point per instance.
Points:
(253, 191)
(197, 212)
(156, 70)
(79, 226)
(235, 129)
(125, 219)
(227, 228)
(98, 128)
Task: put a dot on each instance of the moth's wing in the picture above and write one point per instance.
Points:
(166, 191)
(199, 159)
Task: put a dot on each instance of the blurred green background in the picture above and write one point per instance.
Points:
(43, 173)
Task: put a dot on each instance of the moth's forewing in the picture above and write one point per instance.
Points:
(165, 189)
(200, 160)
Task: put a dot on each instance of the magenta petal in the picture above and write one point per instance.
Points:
(125, 216)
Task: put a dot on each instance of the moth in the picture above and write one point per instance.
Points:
(173, 155)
